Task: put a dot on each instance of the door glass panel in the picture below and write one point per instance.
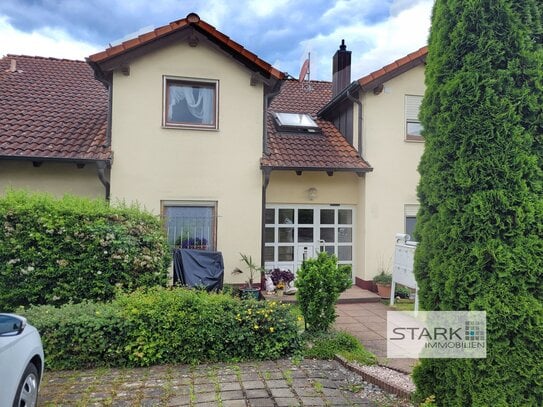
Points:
(286, 253)
(327, 234)
(345, 217)
(305, 216)
(329, 249)
(286, 235)
(305, 235)
(345, 253)
(286, 216)
(269, 253)
(327, 216)
(345, 235)
(269, 235)
(270, 216)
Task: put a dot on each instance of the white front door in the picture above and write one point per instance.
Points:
(297, 232)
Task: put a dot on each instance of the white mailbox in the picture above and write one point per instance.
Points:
(402, 272)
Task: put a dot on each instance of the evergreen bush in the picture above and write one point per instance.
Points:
(480, 223)
(320, 281)
(160, 325)
(53, 251)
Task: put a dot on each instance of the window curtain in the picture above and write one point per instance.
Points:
(199, 101)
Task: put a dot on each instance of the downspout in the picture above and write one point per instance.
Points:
(267, 100)
(265, 182)
(102, 166)
(359, 103)
(266, 171)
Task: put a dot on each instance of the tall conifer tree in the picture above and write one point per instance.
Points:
(480, 225)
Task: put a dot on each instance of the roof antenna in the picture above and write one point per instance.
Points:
(306, 71)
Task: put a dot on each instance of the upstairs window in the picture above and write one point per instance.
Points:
(190, 103)
(413, 127)
(296, 122)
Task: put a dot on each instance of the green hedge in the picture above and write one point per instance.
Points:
(161, 325)
(53, 251)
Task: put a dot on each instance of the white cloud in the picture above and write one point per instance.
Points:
(264, 8)
(374, 46)
(47, 42)
(404, 33)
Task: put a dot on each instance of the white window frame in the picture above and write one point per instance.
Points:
(412, 110)
(196, 81)
(316, 239)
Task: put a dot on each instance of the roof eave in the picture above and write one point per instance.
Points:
(367, 84)
(352, 87)
(105, 61)
(317, 169)
(74, 160)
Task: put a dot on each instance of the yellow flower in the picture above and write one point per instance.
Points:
(256, 326)
(300, 318)
(272, 329)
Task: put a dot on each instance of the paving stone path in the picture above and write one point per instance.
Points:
(256, 384)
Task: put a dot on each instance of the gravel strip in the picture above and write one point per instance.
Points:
(390, 376)
(384, 386)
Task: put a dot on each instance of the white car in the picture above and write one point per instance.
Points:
(21, 362)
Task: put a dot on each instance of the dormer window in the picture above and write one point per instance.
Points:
(296, 122)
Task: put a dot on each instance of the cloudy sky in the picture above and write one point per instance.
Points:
(281, 32)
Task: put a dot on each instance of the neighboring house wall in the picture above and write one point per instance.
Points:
(392, 184)
(52, 177)
(153, 164)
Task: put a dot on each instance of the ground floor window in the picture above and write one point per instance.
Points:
(294, 233)
(190, 225)
(410, 216)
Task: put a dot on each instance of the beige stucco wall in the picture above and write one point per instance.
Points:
(51, 177)
(393, 182)
(153, 164)
(288, 188)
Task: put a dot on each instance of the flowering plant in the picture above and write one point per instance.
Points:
(277, 275)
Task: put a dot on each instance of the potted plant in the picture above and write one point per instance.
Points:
(187, 242)
(249, 291)
(383, 281)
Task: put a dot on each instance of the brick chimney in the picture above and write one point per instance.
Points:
(341, 71)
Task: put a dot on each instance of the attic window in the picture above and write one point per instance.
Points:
(299, 122)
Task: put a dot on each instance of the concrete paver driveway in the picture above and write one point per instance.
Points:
(270, 383)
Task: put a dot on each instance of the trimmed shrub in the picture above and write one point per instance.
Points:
(480, 223)
(159, 325)
(320, 281)
(53, 251)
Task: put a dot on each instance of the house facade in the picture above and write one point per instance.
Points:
(234, 155)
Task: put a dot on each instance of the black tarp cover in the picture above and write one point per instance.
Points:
(198, 268)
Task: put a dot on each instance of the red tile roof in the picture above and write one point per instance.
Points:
(192, 20)
(393, 69)
(51, 109)
(327, 150)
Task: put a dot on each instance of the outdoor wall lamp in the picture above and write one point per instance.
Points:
(312, 193)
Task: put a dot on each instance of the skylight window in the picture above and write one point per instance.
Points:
(296, 122)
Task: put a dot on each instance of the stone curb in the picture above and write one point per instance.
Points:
(390, 388)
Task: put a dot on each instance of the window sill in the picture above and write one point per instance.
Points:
(414, 139)
(199, 128)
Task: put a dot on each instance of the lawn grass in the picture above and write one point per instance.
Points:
(327, 345)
